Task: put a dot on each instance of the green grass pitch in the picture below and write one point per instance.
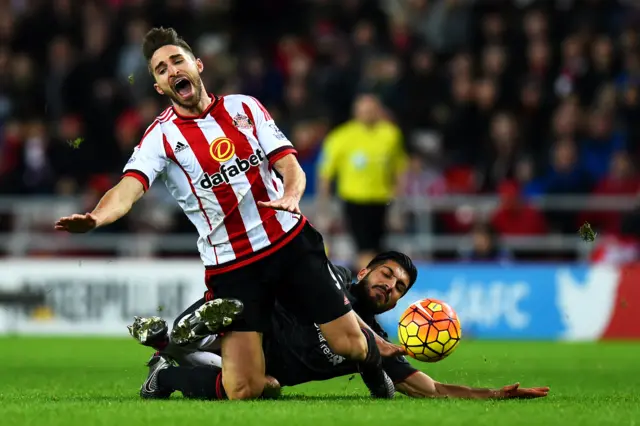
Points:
(77, 381)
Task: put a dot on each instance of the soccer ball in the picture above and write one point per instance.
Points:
(430, 330)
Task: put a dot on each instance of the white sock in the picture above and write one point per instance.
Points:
(197, 353)
(202, 358)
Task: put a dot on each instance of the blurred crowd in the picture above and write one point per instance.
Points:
(520, 98)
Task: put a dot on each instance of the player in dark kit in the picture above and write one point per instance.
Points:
(297, 352)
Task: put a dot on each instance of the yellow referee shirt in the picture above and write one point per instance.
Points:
(365, 161)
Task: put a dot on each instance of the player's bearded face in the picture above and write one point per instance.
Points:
(177, 75)
(381, 287)
(377, 296)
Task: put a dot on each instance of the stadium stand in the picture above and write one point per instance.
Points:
(514, 113)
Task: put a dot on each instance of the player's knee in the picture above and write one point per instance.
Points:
(249, 389)
(272, 388)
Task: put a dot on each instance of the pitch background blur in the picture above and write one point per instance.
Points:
(520, 119)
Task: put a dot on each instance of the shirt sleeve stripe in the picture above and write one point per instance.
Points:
(277, 154)
(137, 174)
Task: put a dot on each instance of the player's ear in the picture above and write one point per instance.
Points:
(158, 89)
(363, 273)
(199, 65)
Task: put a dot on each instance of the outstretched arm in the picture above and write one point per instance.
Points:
(419, 385)
(149, 159)
(114, 204)
(118, 201)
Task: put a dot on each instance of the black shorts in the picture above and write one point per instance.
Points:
(297, 275)
(367, 224)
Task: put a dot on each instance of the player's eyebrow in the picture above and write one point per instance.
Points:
(172, 57)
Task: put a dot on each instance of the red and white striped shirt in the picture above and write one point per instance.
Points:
(217, 166)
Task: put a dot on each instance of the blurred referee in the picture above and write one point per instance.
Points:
(366, 158)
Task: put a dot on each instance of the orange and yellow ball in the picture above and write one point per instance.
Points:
(430, 330)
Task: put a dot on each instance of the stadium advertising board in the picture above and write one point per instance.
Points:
(548, 302)
(96, 297)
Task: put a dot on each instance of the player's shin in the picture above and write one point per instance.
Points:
(194, 382)
(205, 383)
(243, 365)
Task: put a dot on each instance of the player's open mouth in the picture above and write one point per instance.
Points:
(183, 87)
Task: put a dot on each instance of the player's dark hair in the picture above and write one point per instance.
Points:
(159, 37)
(401, 259)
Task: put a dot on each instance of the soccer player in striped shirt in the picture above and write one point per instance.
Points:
(218, 157)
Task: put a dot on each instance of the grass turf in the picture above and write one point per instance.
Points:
(76, 381)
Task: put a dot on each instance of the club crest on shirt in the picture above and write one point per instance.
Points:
(241, 121)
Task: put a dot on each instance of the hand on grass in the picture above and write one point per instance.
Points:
(516, 392)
